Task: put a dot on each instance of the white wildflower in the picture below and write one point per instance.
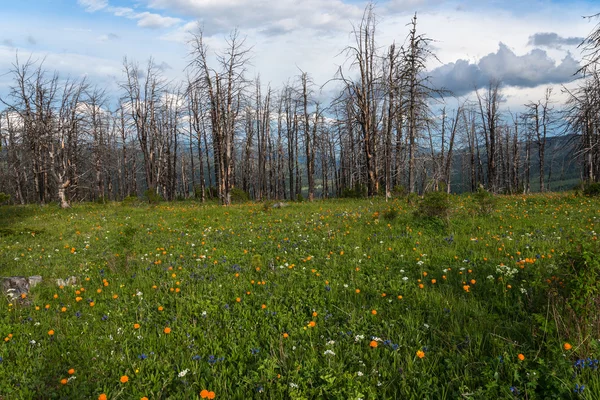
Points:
(183, 373)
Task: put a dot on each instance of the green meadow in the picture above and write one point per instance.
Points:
(337, 299)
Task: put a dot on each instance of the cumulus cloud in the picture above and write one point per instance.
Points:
(527, 71)
(274, 18)
(552, 40)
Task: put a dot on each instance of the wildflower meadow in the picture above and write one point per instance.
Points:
(336, 299)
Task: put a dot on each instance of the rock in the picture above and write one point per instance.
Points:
(70, 281)
(281, 204)
(15, 286)
(34, 280)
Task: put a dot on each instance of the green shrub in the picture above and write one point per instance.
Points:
(130, 201)
(399, 191)
(267, 205)
(390, 215)
(412, 199)
(239, 196)
(101, 200)
(434, 205)
(299, 197)
(486, 202)
(211, 192)
(592, 189)
(197, 192)
(357, 192)
(4, 198)
(574, 293)
(152, 196)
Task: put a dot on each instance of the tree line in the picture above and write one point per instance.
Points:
(220, 134)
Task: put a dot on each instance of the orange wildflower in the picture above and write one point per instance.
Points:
(521, 357)
(567, 346)
(312, 324)
(373, 344)
(124, 379)
(420, 353)
(167, 330)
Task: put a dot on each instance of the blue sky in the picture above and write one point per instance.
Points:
(474, 39)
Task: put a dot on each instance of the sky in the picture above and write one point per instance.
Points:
(528, 44)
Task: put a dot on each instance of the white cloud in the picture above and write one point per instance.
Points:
(274, 17)
(149, 20)
(288, 34)
(107, 37)
(530, 70)
(93, 5)
(144, 19)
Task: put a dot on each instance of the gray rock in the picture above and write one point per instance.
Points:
(34, 280)
(70, 281)
(281, 204)
(15, 286)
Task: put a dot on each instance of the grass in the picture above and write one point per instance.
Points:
(340, 299)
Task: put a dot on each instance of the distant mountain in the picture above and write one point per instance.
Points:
(562, 168)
